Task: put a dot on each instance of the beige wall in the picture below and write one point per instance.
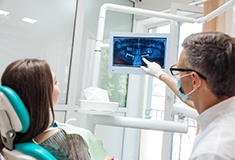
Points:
(219, 22)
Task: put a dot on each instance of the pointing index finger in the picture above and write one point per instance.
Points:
(145, 61)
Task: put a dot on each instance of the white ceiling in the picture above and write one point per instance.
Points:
(46, 12)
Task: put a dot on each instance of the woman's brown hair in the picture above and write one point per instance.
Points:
(32, 80)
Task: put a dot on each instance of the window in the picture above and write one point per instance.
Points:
(152, 140)
(115, 84)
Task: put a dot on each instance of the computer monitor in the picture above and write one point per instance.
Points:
(126, 51)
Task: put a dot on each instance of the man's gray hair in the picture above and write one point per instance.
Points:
(213, 55)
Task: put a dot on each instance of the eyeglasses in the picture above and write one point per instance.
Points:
(175, 71)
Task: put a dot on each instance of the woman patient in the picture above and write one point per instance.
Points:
(36, 84)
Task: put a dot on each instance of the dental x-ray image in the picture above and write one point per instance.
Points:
(131, 50)
(126, 50)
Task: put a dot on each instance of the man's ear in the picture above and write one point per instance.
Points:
(196, 82)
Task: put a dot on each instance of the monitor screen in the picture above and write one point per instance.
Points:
(126, 51)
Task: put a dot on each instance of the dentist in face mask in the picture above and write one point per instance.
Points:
(188, 82)
(204, 79)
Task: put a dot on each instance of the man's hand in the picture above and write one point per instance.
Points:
(152, 68)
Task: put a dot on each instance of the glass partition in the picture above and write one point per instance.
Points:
(39, 29)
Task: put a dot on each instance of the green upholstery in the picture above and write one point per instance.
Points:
(34, 150)
(18, 106)
(28, 148)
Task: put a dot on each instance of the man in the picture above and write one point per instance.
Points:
(205, 75)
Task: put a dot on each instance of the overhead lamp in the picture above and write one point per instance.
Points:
(29, 20)
(4, 13)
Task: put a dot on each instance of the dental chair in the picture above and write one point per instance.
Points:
(14, 118)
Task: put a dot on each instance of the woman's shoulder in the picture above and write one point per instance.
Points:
(95, 147)
(66, 146)
(46, 134)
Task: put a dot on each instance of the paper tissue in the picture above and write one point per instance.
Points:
(97, 101)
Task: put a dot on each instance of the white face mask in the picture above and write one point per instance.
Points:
(184, 96)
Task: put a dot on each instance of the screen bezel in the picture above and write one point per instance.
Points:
(133, 69)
